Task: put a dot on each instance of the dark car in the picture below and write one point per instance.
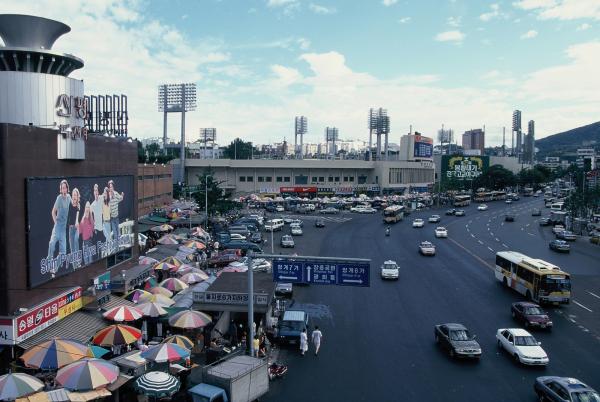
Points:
(536, 212)
(330, 210)
(450, 212)
(222, 259)
(320, 223)
(270, 208)
(563, 389)
(284, 289)
(459, 212)
(531, 315)
(456, 339)
(544, 222)
(560, 246)
(509, 218)
(256, 237)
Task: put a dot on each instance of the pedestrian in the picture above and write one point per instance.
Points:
(303, 342)
(316, 338)
(255, 345)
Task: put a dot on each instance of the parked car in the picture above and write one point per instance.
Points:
(389, 270)
(536, 212)
(329, 211)
(456, 339)
(564, 389)
(320, 223)
(544, 221)
(287, 241)
(566, 235)
(291, 326)
(222, 259)
(368, 210)
(256, 237)
(531, 315)
(418, 223)
(557, 229)
(450, 211)
(441, 231)
(509, 218)
(560, 246)
(434, 219)
(279, 208)
(427, 248)
(522, 346)
(236, 236)
(288, 220)
(482, 207)
(459, 212)
(296, 230)
(284, 289)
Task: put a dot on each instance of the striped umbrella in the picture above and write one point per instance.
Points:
(180, 340)
(16, 385)
(116, 334)
(123, 313)
(186, 269)
(193, 277)
(138, 296)
(152, 309)
(96, 351)
(174, 284)
(182, 267)
(167, 239)
(145, 260)
(173, 261)
(150, 283)
(162, 300)
(159, 290)
(166, 352)
(163, 266)
(189, 319)
(198, 245)
(54, 354)
(157, 384)
(161, 228)
(87, 374)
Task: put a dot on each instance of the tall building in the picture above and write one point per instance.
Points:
(529, 145)
(516, 131)
(474, 140)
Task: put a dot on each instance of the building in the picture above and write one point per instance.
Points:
(516, 131)
(416, 148)
(154, 187)
(551, 162)
(474, 140)
(586, 158)
(52, 166)
(529, 145)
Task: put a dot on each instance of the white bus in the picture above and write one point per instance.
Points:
(462, 200)
(557, 206)
(393, 214)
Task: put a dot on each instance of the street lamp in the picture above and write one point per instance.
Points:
(206, 176)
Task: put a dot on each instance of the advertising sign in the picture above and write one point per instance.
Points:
(231, 298)
(46, 314)
(423, 147)
(76, 221)
(297, 189)
(463, 167)
(6, 331)
(102, 282)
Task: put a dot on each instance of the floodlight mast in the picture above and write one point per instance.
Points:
(301, 128)
(379, 124)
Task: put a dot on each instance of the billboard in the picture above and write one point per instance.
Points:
(73, 222)
(423, 147)
(463, 167)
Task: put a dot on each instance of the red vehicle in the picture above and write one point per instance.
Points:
(224, 258)
(531, 315)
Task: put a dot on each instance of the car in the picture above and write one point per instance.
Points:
(284, 289)
(557, 229)
(296, 230)
(531, 315)
(426, 248)
(256, 237)
(536, 212)
(450, 211)
(434, 219)
(544, 222)
(508, 201)
(566, 235)
(329, 211)
(368, 210)
(514, 197)
(389, 270)
(279, 208)
(357, 208)
(297, 222)
(288, 220)
(222, 259)
(441, 231)
(456, 339)
(522, 346)
(237, 236)
(509, 218)
(482, 207)
(287, 241)
(320, 223)
(564, 389)
(459, 212)
(559, 245)
(418, 223)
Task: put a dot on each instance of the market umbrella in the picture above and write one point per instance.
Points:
(174, 284)
(165, 352)
(54, 354)
(150, 283)
(157, 384)
(233, 269)
(123, 313)
(159, 290)
(186, 269)
(173, 261)
(152, 309)
(145, 260)
(117, 334)
(96, 351)
(162, 300)
(163, 266)
(87, 374)
(189, 319)
(16, 385)
(161, 228)
(193, 277)
(195, 244)
(180, 340)
(167, 239)
(138, 295)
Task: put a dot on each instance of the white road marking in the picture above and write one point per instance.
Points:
(491, 249)
(472, 235)
(502, 224)
(491, 233)
(479, 241)
(497, 239)
(505, 246)
(527, 225)
(594, 294)
(468, 229)
(530, 234)
(582, 306)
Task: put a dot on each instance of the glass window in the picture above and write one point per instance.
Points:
(261, 179)
(279, 179)
(301, 179)
(268, 179)
(242, 178)
(286, 179)
(351, 178)
(330, 179)
(314, 179)
(249, 178)
(322, 179)
(460, 335)
(337, 179)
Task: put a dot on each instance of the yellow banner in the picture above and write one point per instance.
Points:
(70, 308)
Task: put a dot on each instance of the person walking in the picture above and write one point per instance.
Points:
(316, 338)
(303, 342)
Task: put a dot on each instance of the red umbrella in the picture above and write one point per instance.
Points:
(123, 313)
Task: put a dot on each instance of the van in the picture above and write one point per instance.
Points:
(274, 224)
(291, 326)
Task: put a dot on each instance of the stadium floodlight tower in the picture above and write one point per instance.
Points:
(331, 136)
(301, 127)
(379, 124)
(208, 136)
(176, 98)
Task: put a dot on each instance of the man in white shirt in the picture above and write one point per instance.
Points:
(316, 338)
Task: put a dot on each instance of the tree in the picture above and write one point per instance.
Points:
(141, 153)
(239, 149)
(217, 198)
(496, 178)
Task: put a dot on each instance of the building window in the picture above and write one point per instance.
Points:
(279, 179)
(286, 179)
(301, 179)
(351, 179)
(268, 179)
(337, 179)
(249, 178)
(330, 179)
(261, 179)
(362, 179)
(345, 178)
(118, 258)
(321, 179)
(314, 179)
(242, 178)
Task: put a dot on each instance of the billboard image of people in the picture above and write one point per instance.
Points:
(463, 167)
(76, 221)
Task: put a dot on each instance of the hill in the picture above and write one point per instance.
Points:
(567, 142)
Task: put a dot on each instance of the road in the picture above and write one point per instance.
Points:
(378, 341)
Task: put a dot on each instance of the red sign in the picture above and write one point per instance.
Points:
(297, 189)
(44, 315)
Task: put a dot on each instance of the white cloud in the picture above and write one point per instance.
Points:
(319, 9)
(529, 34)
(404, 20)
(303, 43)
(388, 3)
(285, 76)
(533, 4)
(562, 9)
(584, 27)
(493, 13)
(454, 21)
(280, 3)
(450, 36)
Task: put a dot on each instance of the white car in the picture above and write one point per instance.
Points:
(237, 236)
(296, 230)
(357, 209)
(427, 248)
(557, 229)
(508, 201)
(441, 231)
(279, 208)
(434, 219)
(482, 207)
(389, 270)
(418, 223)
(522, 346)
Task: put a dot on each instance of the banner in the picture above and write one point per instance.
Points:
(463, 167)
(423, 147)
(75, 221)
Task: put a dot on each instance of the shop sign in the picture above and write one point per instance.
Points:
(44, 315)
(72, 107)
(102, 282)
(374, 188)
(297, 189)
(229, 298)
(6, 331)
(268, 190)
(344, 190)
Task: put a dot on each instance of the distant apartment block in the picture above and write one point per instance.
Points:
(474, 140)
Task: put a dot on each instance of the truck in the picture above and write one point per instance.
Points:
(558, 217)
(238, 379)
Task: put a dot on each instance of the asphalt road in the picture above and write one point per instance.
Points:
(378, 341)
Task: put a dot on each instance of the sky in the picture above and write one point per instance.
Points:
(259, 63)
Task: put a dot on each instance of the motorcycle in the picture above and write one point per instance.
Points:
(277, 370)
(387, 231)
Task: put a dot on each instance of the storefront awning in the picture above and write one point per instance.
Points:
(116, 301)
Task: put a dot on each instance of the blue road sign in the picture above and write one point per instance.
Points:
(321, 272)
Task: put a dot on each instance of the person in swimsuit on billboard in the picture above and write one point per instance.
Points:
(115, 199)
(60, 212)
(73, 226)
(96, 208)
(86, 228)
(106, 219)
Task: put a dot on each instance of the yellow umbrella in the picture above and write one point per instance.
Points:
(180, 340)
(159, 290)
(172, 261)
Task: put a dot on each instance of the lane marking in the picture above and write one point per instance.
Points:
(527, 225)
(472, 235)
(505, 246)
(480, 242)
(485, 264)
(582, 306)
(594, 294)
(491, 249)
(491, 233)
(497, 239)
(530, 234)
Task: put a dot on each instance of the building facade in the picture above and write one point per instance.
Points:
(154, 187)
(474, 140)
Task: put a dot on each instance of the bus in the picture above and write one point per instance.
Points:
(557, 206)
(535, 279)
(483, 196)
(499, 195)
(527, 191)
(462, 200)
(393, 214)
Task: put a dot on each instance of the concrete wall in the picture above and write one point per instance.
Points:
(155, 187)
